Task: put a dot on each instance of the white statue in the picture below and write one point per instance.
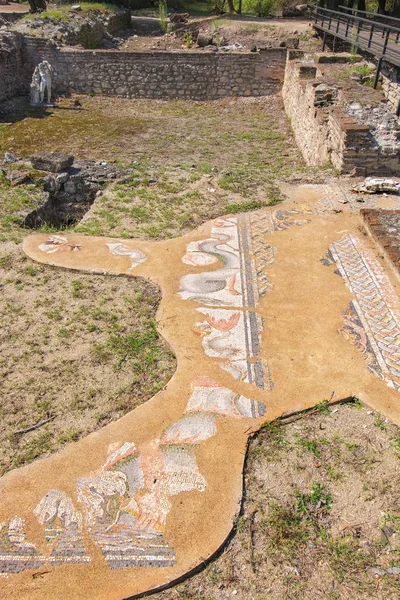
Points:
(35, 87)
(41, 82)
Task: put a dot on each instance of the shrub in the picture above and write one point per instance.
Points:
(262, 8)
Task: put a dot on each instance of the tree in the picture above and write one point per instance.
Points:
(37, 5)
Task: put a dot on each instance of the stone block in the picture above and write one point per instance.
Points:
(54, 162)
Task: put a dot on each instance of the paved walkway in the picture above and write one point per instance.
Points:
(268, 312)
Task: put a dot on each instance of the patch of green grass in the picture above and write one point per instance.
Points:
(38, 445)
(380, 422)
(346, 558)
(64, 13)
(313, 446)
(356, 402)
(323, 407)
(318, 500)
(244, 206)
(286, 529)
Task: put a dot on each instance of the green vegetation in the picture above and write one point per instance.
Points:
(162, 14)
(261, 8)
(64, 12)
(90, 354)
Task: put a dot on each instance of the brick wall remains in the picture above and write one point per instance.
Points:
(324, 131)
(12, 73)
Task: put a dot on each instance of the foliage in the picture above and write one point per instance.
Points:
(188, 38)
(162, 14)
(261, 8)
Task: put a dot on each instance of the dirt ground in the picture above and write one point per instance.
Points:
(239, 31)
(320, 517)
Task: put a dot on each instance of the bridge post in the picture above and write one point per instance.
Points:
(324, 41)
(377, 72)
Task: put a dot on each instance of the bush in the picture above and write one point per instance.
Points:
(261, 8)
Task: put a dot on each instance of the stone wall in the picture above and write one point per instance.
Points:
(12, 73)
(191, 75)
(324, 130)
(391, 86)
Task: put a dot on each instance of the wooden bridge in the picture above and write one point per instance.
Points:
(377, 37)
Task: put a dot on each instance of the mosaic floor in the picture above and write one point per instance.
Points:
(268, 312)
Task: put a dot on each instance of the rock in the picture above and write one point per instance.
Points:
(378, 185)
(17, 177)
(291, 11)
(302, 9)
(292, 42)
(179, 18)
(253, 48)
(76, 7)
(377, 571)
(62, 178)
(9, 158)
(54, 162)
(393, 571)
(204, 40)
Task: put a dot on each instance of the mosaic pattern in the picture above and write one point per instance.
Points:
(223, 286)
(372, 322)
(58, 243)
(125, 504)
(16, 554)
(239, 243)
(136, 256)
(265, 222)
(336, 198)
(235, 337)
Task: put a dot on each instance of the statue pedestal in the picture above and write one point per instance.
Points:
(41, 105)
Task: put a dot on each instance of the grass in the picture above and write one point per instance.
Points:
(300, 533)
(237, 152)
(83, 349)
(64, 13)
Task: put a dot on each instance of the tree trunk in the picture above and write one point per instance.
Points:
(381, 7)
(219, 7)
(37, 5)
(231, 7)
(361, 5)
(239, 10)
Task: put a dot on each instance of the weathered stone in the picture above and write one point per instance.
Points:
(378, 185)
(204, 40)
(9, 158)
(54, 162)
(17, 177)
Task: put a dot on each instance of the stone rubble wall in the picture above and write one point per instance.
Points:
(196, 76)
(324, 131)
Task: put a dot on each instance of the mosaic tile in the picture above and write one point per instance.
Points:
(136, 256)
(234, 336)
(221, 286)
(373, 320)
(17, 554)
(63, 528)
(58, 243)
